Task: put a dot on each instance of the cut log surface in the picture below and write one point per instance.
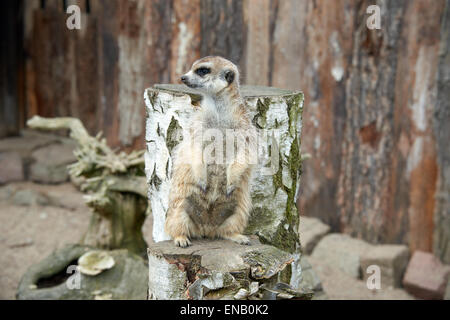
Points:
(212, 269)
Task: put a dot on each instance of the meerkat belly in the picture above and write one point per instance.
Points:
(211, 208)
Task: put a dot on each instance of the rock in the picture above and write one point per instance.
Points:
(11, 167)
(311, 231)
(212, 269)
(392, 260)
(426, 277)
(7, 191)
(56, 278)
(311, 280)
(340, 286)
(50, 163)
(447, 291)
(28, 197)
(343, 252)
(25, 144)
(309, 277)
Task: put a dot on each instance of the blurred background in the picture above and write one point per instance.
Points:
(376, 111)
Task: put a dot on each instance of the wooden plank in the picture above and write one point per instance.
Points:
(30, 94)
(441, 119)
(80, 3)
(54, 4)
(185, 43)
(414, 155)
(107, 115)
(324, 41)
(10, 60)
(49, 64)
(85, 84)
(257, 53)
(223, 30)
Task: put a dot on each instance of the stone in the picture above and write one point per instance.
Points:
(26, 143)
(50, 163)
(340, 286)
(11, 167)
(447, 291)
(310, 279)
(392, 260)
(343, 252)
(7, 191)
(56, 278)
(276, 113)
(213, 269)
(426, 277)
(28, 197)
(311, 231)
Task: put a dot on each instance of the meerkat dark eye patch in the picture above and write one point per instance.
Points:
(229, 76)
(202, 71)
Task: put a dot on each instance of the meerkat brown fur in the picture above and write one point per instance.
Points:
(211, 198)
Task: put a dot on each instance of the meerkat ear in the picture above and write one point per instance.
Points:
(229, 76)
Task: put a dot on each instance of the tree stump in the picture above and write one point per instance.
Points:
(219, 269)
(276, 114)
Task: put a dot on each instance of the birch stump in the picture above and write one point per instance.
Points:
(276, 113)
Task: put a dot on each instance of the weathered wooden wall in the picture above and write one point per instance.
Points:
(11, 72)
(377, 110)
(370, 120)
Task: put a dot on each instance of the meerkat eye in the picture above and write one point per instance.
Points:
(202, 71)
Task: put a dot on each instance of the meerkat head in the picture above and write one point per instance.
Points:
(211, 75)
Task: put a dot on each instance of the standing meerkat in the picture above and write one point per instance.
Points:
(210, 192)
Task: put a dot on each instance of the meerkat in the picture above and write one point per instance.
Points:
(211, 198)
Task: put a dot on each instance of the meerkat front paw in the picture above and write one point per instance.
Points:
(182, 241)
(239, 238)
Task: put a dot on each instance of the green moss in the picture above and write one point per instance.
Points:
(151, 95)
(262, 106)
(277, 178)
(260, 217)
(172, 134)
(154, 179)
(286, 239)
(294, 166)
(286, 274)
(294, 108)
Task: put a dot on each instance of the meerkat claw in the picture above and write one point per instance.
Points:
(230, 190)
(202, 185)
(182, 242)
(239, 238)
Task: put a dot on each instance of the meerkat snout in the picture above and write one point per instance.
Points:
(211, 75)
